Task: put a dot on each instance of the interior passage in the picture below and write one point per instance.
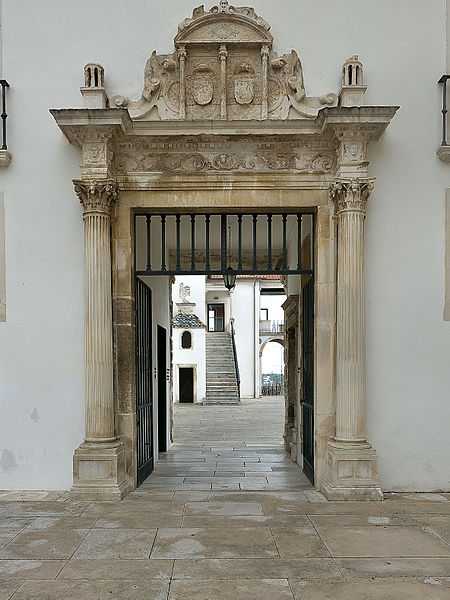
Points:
(236, 448)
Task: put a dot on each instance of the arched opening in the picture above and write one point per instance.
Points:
(186, 340)
(272, 367)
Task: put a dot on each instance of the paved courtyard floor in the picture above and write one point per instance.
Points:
(225, 516)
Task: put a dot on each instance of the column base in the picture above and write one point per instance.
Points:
(352, 472)
(99, 472)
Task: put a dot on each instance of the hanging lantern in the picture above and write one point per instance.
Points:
(229, 279)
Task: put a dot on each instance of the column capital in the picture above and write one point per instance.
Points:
(96, 196)
(351, 195)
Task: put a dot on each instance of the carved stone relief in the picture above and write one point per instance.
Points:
(227, 154)
(224, 67)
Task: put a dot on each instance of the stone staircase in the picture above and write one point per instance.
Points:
(221, 380)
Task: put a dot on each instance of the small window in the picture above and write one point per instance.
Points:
(186, 340)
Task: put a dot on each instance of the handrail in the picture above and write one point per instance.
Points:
(443, 80)
(4, 85)
(236, 365)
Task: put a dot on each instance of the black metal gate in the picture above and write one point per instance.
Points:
(308, 379)
(144, 389)
(220, 243)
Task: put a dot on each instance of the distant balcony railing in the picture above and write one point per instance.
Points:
(271, 327)
(272, 389)
(4, 85)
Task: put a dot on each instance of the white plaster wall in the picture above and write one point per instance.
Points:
(195, 355)
(192, 357)
(244, 324)
(46, 44)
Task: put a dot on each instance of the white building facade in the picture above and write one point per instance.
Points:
(396, 369)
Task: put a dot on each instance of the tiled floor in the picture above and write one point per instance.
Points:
(225, 516)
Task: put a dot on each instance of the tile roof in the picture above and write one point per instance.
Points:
(185, 321)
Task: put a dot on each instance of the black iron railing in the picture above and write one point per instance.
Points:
(236, 365)
(4, 85)
(272, 389)
(443, 81)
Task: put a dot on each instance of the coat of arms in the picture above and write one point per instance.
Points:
(202, 85)
(244, 84)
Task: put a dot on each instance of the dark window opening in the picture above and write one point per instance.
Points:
(186, 340)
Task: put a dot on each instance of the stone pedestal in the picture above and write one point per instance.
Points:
(99, 463)
(352, 472)
(99, 472)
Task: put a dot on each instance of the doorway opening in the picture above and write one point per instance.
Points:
(186, 384)
(216, 317)
(162, 387)
(218, 333)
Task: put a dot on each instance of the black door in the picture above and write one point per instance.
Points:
(162, 388)
(144, 391)
(216, 317)
(186, 383)
(308, 379)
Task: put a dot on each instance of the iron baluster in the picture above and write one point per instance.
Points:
(207, 220)
(239, 242)
(269, 242)
(4, 85)
(223, 242)
(193, 242)
(149, 243)
(443, 80)
(255, 217)
(163, 243)
(299, 242)
(177, 219)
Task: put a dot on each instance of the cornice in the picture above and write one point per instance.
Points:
(370, 121)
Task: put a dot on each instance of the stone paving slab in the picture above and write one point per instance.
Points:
(60, 543)
(116, 568)
(179, 537)
(93, 590)
(117, 543)
(381, 541)
(255, 568)
(246, 589)
(215, 542)
(7, 588)
(368, 589)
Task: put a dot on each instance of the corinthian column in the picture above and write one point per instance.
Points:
(99, 463)
(352, 462)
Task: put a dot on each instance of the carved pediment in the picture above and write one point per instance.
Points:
(224, 23)
(224, 67)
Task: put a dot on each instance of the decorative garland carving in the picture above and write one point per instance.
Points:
(96, 196)
(205, 154)
(351, 194)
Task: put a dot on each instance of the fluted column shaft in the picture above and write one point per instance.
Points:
(350, 199)
(97, 199)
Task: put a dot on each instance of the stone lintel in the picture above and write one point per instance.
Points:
(352, 472)
(99, 472)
